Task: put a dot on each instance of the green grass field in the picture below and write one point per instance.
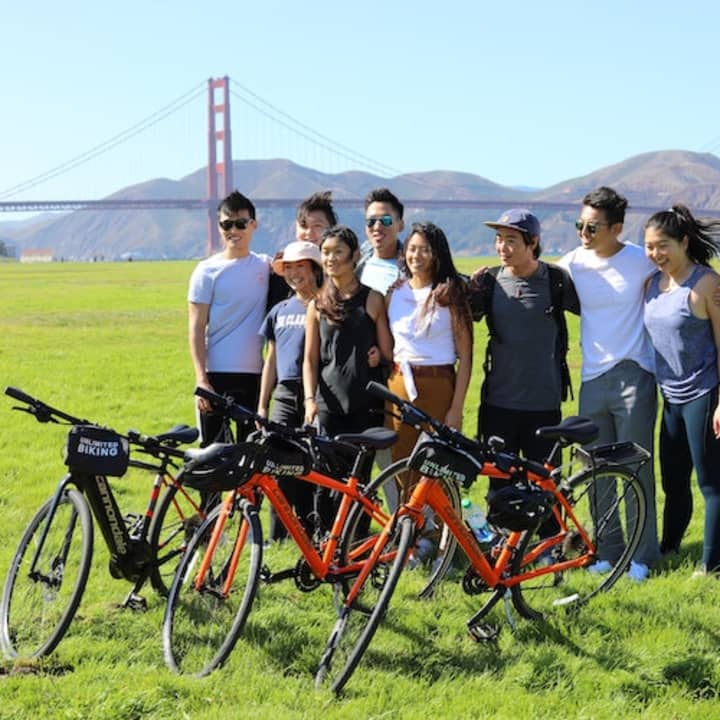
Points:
(108, 342)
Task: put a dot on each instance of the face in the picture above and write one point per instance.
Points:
(604, 237)
(300, 275)
(312, 226)
(419, 256)
(383, 238)
(511, 248)
(668, 254)
(237, 241)
(337, 258)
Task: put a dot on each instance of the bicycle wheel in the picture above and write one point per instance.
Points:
(359, 620)
(202, 623)
(610, 507)
(177, 516)
(435, 545)
(38, 607)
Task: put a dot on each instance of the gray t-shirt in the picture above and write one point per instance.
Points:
(524, 373)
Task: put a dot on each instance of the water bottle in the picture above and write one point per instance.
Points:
(475, 519)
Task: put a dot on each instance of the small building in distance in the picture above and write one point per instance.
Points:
(36, 255)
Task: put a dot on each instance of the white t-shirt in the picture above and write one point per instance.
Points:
(611, 307)
(236, 291)
(421, 338)
(380, 273)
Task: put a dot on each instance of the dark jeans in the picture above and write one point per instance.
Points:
(288, 409)
(245, 390)
(517, 428)
(687, 441)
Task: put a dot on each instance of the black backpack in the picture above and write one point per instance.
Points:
(482, 306)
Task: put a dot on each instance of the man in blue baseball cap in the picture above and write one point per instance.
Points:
(522, 301)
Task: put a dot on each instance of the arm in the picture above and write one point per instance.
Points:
(197, 324)
(268, 379)
(709, 289)
(463, 347)
(311, 361)
(376, 310)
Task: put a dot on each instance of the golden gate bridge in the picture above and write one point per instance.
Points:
(220, 171)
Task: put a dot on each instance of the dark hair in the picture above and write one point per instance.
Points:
(384, 195)
(527, 239)
(234, 203)
(317, 202)
(610, 202)
(448, 287)
(328, 300)
(678, 222)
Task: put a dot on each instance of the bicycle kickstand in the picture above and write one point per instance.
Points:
(134, 601)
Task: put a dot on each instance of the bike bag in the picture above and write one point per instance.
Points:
(92, 450)
(283, 457)
(436, 459)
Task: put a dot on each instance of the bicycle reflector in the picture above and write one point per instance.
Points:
(518, 506)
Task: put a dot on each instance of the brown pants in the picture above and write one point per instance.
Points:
(434, 397)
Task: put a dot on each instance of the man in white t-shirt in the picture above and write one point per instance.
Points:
(618, 385)
(226, 306)
(379, 267)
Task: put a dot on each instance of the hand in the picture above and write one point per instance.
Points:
(475, 277)
(716, 422)
(310, 410)
(716, 295)
(374, 356)
(454, 418)
(204, 405)
(262, 412)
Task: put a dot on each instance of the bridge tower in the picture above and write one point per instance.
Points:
(219, 174)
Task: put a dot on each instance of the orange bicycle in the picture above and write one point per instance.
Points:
(596, 500)
(215, 584)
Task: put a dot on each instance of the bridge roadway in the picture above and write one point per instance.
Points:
(198, 204)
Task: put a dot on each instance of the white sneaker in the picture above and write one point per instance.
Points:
(601, 567)
(639, 572)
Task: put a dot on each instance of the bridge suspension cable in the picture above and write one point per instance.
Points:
(274, 113)
(108, 144)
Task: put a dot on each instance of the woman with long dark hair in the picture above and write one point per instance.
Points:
(431, 325)
(684, 326)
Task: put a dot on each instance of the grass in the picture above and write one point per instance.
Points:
(108, 342)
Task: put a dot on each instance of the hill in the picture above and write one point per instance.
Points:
(650, 180)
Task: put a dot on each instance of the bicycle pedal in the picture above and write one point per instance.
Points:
(136, 603)
(484, 632)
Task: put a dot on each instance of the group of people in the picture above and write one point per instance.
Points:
(400, 313)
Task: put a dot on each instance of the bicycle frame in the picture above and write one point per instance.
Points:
(322, 564)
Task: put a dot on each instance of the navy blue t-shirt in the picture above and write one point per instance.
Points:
(285, 326)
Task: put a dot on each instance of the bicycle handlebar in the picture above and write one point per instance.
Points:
(225, 405)
(44, 413)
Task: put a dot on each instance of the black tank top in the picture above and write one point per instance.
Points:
(344, 370)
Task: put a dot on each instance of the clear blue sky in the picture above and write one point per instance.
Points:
(522, 93)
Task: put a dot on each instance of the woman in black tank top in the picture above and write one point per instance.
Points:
(347, 335)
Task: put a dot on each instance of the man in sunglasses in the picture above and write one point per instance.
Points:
(618, 386)
(379, 267)
(226, 306)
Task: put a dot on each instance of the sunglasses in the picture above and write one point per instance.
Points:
(240, 224)
(384, 220)
(591, 227)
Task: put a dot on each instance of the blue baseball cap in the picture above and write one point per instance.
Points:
(518, 219)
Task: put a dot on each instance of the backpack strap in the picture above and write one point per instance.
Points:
(556, 278)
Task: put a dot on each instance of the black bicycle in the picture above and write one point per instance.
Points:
(49, 572)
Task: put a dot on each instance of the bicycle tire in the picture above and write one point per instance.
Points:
(609, 503)
(201, 626)
(358, 622)
(432, 561)
(36, 612)
(176, 518)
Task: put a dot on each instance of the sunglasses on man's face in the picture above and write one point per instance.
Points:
(240, 224)
(591, 227)
(384, 220)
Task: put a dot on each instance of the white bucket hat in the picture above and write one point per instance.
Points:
(295, 252)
